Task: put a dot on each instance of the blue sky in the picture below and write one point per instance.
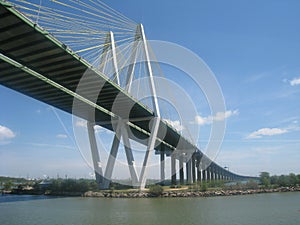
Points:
(253, 48)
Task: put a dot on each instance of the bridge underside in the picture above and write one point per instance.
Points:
(35, 49)
(36, 64)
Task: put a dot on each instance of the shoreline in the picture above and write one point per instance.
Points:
(186, 193)
(165, 194)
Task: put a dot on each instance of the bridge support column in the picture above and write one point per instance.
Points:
(216, 173)
(213, 173)
(181, 172)
(199, 174)
(130, 158)
(226, 176)
(111, 162)
(204, 175)
(219, 174)
(188, 172)
(121, 131)
(209, 174)
(173, 170)
(95, 154)
(150, 148)
(194, 169)
(222, 174)
(162, 166)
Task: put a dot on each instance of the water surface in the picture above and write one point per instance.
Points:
(273, 209)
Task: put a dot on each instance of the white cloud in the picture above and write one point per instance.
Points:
(220, 116)
(175, 124)
(295, 81)
(266, 132)
(61, 136)
(202, 120)
(6, 134)
(81, 123)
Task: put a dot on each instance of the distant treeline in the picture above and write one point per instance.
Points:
(12, 179)
(79, 186)
(49, 186)
(279, 181)
(59, 186)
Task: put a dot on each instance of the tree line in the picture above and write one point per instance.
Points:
(279, 181)
(60, 186)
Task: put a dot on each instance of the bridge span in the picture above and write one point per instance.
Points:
(35, 63)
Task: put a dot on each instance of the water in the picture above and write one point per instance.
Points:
(273, 209)
(16, 198)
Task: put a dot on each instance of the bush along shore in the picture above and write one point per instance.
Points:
(185, 193)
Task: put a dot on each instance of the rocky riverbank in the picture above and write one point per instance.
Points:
(177, 194)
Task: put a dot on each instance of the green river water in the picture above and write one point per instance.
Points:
(272, 209)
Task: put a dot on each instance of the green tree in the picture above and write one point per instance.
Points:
(283, 181)
(156, 190)
(93, 186)
(264, 178)
(8, 185)
(203, 187)
(293, 179)
(274, 180)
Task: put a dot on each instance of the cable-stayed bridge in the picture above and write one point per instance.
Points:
(86, 67)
